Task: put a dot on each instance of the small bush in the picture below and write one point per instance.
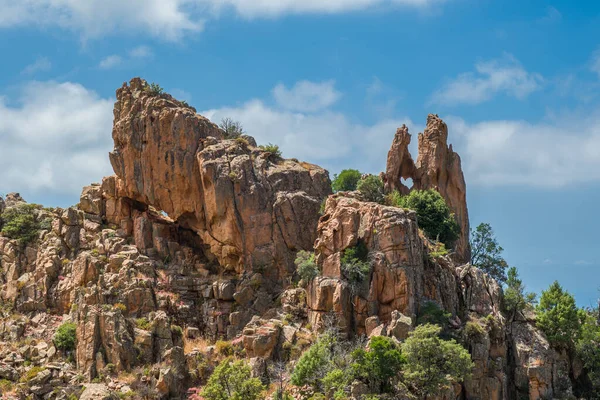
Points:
(224, 348)
(19, 223)
(242, 141)
(176, 330)
(439, 250)
(66, 336)
(32, 373)
(431, 313)
(355, 266)
(273, 149)
(346, 180)
(473, 330)
(154, 89)
(306, 266)
(143, 323)
(371, 187)
(120, 307)
(231, 129)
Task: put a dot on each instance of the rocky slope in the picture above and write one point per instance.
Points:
(193, 240)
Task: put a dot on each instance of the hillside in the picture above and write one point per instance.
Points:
(189, 253)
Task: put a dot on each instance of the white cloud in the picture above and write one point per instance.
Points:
(168, 19)
(110, 62)
(552, 15)
(553, 153)
(306, 96)
(141, 52)
(505, 75)
(137, 53)
(320, 135)
(40, 64)
(55, 139)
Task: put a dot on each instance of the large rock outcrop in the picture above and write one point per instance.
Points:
(250, 207)
(438, 167)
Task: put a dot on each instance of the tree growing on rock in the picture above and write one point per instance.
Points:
(515, 297)
(231, 128)
(379, 365)
(432, 364)
(346, 180)
(371, 187)
(486, 253)
(558, 316)
(306, 267)
(232, 380)
(433, 215)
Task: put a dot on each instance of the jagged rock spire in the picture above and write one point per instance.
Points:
(438, 167)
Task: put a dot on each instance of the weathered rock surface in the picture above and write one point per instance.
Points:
(438, 167)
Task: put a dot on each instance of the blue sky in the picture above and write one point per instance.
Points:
(329, 81)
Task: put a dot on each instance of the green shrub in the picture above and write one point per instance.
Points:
(273, 149)
(154, 89)
(232, 380)
(394, 199)
(224, 348)
(120, 307)
(431, 313)
(143, 323)
(588, 348)
(371, 187)
(432, 364)
(314, 363)
(515, 297)
(306, 266)
(473, 330)
(378, 366)
(19, 223)
(355, 266)
(66, 336)
(30, 374)
(231, 129)
(434, 215)
(346, 180)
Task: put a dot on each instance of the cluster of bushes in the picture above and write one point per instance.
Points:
(20, 223)
(423, 365)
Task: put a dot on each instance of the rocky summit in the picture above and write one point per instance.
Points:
(189, 253)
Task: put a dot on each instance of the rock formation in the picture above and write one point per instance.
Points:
(438, 167)
(194, 238)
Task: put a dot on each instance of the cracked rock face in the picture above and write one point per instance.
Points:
(438, 167)
(250, 208)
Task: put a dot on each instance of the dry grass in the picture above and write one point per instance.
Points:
(190, 345)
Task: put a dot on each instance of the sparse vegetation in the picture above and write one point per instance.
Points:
(154, 89)
(273, 149)
(231, 129)
(355, 265)
(306, 267)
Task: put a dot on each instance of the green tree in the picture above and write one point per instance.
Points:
(378, 365)
(558, 316)
(232, 380)
(306, 266)
(486, 253)
(588, 347)
(434, 215)
(355, 265)
(346, 180)
(66, 337)
(433, 364)
(371, 187)
(231, 129)
(313, 365)
(515, 297)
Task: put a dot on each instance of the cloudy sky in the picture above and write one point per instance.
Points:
(329, 81)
